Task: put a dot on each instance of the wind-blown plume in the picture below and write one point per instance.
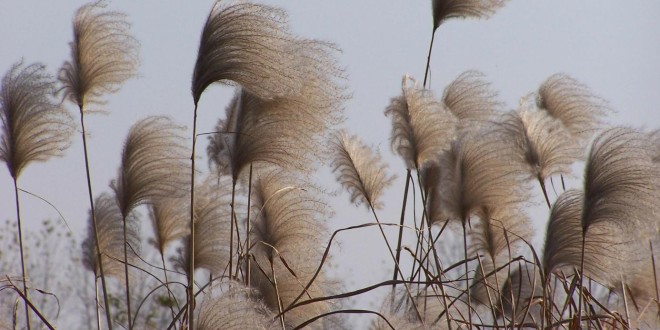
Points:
(287, 227)
(497, 237)
(235, 309)
(111, 238)
(448, 9)
(541, 143)
(360, 171)
(104, 55)
(212, 215)
(478, 174)
(169, 221)
(421, 127)
(471, 99)
(573, 104)
(153, 165)
(249, 44)
(621, 181)
(34, 127)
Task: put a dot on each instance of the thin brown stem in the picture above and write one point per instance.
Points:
(128, 286)
(191, 241)
(398, 244)
(99, 255)
(20, 245)
(247, 230)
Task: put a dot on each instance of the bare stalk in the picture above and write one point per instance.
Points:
(99, 255)
(191, 241)
(247, 230)
(467, 278)
(20, 245)
(167, 285)
(398, 244)
(128, 286)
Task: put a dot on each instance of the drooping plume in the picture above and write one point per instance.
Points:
(212, 215)
(478, 174)
(249, 44)
(104, 55)
(421, 127)
(448, 9)
(360, 171)
(111, 238)
(169, 220)
(572, 103)
(621, 181)
(540, 142)
(154, 163)
(471, 99)
(34, 126)
(288, 225)
(236, 308)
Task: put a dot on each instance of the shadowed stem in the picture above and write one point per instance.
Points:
(231, 229)
(20, 245)
(467, 278)
(398, 244)
(428, 59)
(579, 309)
(128, 286)
(191, 242)
(167, 285)
(99, 256)
(247, 230)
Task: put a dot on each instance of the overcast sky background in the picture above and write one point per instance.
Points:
(612, 46)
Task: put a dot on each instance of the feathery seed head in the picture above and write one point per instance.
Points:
(34, 126)
(421, 127)
(154, 163)
(448, 9)
(471, 99)
(104, 55)
(359, 170)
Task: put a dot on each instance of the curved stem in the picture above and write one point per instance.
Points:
(99, 255)
(20, 245)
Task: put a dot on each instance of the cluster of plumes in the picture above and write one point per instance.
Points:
(615, 215)
(283, 112)
(34, 126)
(448, 9)
(287, 228)
(235, 308)
(110, 228)
(289, 98)
(104, 55)
(478, 167)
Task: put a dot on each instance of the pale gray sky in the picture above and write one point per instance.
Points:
(612, 46)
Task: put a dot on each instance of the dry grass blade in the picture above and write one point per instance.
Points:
(34, 127)
(573, 104)
(541, 143)
(360, 171)
(111, 238)
(249, 44)
(154, 163)
(104, 55)
(212, 215)
(448, 9)
(235, 309)
(471, 99)
(421, 128)
(288, 225)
